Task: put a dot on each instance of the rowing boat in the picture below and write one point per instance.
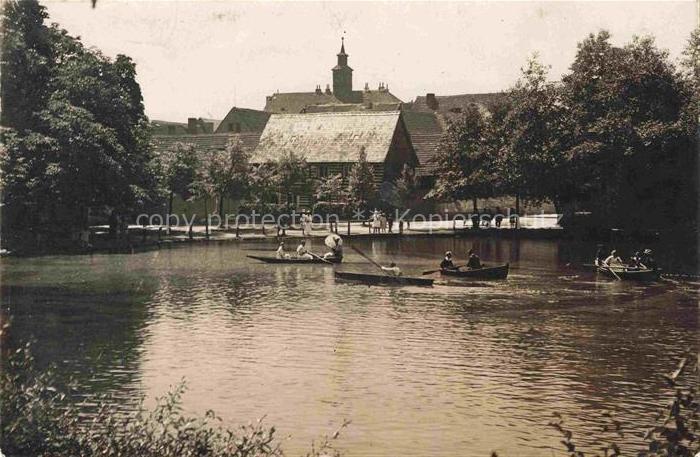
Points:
(384, 279)
(630, 274)
(268, 259)
(499, 272)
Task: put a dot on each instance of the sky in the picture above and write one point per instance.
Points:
(201, 58)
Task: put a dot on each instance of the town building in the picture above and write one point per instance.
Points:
(331, 144)
(341, 98)
(306, 122)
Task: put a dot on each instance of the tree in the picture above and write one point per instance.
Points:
(403, 188)
(177, 167)
(28, 61)
(232, 176)
(262, 188)
(222, 173)
(464, 163)
(629, 153)
(528, 137)
(406, 185)
(361, 186)
(79, 136)
(331, 196)
(291, 175)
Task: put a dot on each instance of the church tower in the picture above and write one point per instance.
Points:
(342, 76)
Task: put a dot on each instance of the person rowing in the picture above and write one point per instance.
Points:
(613, 260)
(474, 262)
(392, 269)
(281, 254)
(447, 263)
(302, 252)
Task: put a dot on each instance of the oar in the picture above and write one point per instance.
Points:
(319, 257)
(370, 260)
(429, 272)
(613, 272)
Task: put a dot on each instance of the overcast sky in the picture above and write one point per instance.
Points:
(200, 58)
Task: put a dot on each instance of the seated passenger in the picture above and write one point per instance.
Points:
(447, 263)
(281, 254)
(474, 262)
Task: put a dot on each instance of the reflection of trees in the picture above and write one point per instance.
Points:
(92, 334)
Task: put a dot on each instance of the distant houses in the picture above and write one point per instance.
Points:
(329, 126)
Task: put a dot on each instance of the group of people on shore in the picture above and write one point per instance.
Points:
(641, 260)
(381, 223)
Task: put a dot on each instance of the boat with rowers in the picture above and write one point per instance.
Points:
(304, 256)
(629, 274)
(474, 268)
(642, 266)
(498, 272)
(369, 278)
(295, 260)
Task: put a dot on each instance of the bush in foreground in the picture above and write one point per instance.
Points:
(40, 421)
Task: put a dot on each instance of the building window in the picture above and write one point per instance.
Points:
(322, 171)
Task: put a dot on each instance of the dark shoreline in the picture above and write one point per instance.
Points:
(137, 243)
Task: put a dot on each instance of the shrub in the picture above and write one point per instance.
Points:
(37, 419)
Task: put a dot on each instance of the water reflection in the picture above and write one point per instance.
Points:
(449, 370)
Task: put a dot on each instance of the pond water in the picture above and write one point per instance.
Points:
(462, 368)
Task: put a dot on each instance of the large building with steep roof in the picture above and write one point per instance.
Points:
(332, 142)
(342, 95)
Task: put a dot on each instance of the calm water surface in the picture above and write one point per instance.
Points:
(458, 369)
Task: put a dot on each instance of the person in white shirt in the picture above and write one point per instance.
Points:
(281, 254)
(613, 260)
(302, 252)
(392, 269)
(305, 224)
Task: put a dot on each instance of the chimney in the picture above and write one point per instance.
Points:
(318, 90)
(192, 125)
(431, 101)
(328, 89)
(366, 87)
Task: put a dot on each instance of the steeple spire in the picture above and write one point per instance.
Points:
(342, 75)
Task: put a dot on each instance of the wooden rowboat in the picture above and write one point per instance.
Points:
(499, 272)
(293, 260)
(384, 279)
(627, 274)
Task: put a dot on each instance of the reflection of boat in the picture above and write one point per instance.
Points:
(384, 279)
(268, 259)
(630, 274)
(499, 272)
